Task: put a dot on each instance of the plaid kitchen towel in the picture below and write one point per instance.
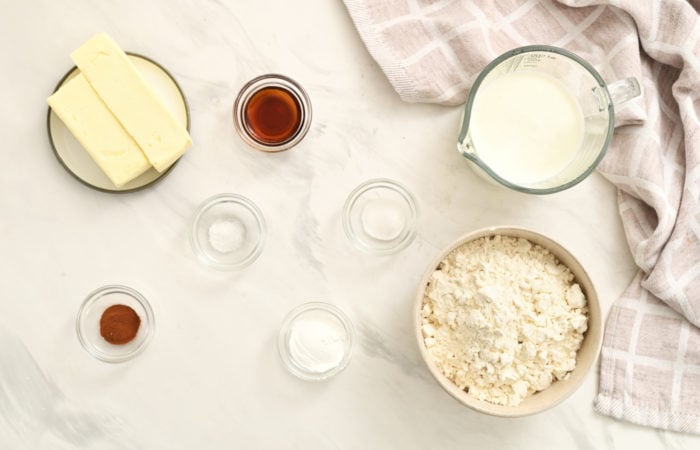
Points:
(432, 50)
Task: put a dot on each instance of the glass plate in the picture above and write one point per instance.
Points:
(78, 162)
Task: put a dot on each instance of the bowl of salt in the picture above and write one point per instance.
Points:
(228, 232)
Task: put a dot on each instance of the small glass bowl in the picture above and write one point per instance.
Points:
(271, 81)
(380, 217)
(228, 232)
(324, 315)
(88, 323)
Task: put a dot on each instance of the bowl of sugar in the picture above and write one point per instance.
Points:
(380, 216)
(507, 321)
(228, 232)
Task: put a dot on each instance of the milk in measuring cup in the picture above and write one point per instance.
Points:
(526, 126)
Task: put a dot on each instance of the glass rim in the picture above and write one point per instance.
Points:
(533, 49)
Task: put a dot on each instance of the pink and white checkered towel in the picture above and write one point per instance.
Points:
(432, 50)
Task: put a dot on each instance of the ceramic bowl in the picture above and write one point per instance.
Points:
(586, 356)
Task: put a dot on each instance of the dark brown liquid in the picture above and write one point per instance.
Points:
(273, 115)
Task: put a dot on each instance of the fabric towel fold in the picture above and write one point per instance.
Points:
(432, 50)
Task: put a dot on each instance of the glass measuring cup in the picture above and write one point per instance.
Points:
(589, 113)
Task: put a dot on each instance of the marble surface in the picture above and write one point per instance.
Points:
(211, 377)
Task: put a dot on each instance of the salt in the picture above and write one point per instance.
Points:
(227, 235)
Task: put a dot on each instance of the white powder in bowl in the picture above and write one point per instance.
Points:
(227, 235)
(503, 319)
(317, 341)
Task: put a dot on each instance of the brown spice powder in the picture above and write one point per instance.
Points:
(119, 324)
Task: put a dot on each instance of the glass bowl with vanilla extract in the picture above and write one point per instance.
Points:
(272, 113)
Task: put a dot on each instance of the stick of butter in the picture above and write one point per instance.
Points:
(98, 131)
(127, 94)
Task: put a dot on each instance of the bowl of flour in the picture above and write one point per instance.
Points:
(508, 321)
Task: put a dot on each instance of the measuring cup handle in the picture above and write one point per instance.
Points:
(624, 90)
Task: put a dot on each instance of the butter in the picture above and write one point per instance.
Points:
(132, 101)
(98, 131)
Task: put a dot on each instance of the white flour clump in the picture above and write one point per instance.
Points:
(503, 319)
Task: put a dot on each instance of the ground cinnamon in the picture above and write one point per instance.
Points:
(119, 324)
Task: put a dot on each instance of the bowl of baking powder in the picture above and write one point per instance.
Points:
(507, 321)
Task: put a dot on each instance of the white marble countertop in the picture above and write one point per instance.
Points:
(212, 378)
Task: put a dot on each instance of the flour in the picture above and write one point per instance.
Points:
(503, 319)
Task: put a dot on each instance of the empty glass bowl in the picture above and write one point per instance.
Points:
(380, 216)
(315, 341)
(228, 232)
(88, 323)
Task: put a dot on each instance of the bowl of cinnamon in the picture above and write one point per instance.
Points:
(115, 323)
